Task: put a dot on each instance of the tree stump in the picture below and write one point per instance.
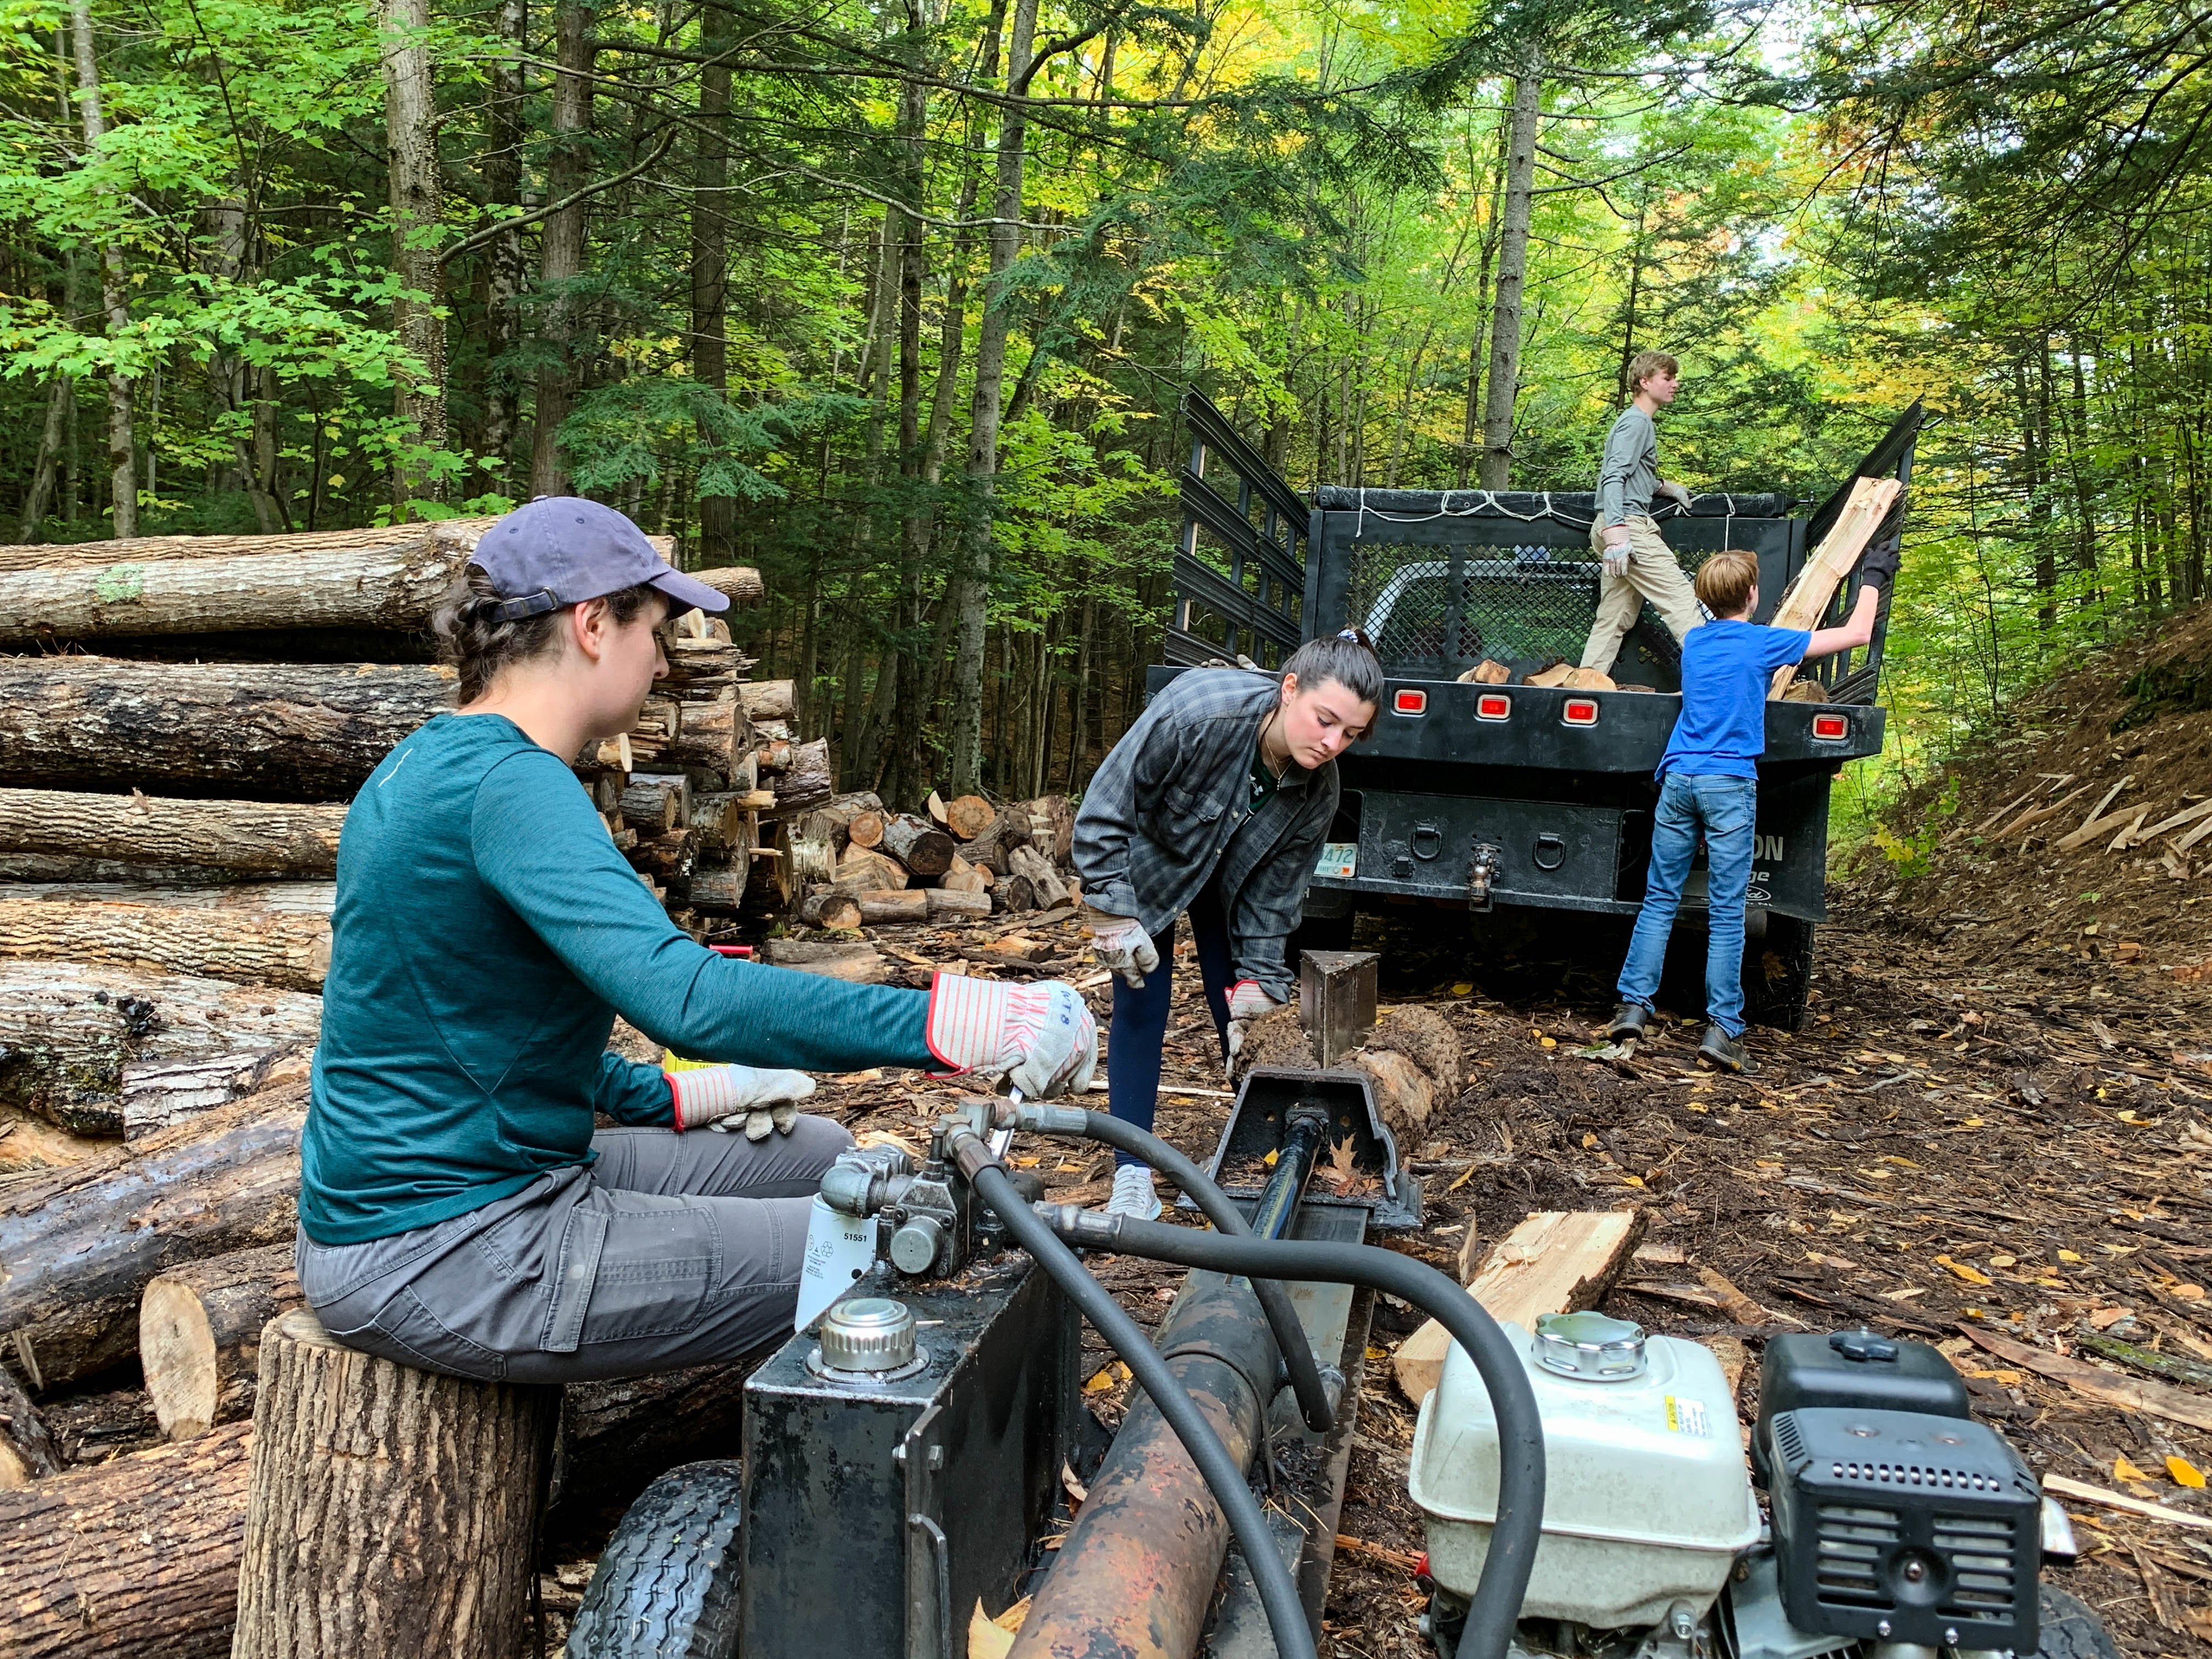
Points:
(392, 1511)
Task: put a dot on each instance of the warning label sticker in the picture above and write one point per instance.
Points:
(1687, 1417)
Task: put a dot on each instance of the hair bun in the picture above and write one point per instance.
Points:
(1358, 636)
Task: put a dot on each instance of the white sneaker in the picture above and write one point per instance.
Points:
(1132, 1193)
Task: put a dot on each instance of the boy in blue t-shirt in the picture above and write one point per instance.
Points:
(1709, 782)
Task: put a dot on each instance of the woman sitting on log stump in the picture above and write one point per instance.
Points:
(1217, 802)
(457, 1210)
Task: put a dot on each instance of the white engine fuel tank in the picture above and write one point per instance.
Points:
(1647, 1498)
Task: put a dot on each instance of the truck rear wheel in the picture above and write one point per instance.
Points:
(667, 1585)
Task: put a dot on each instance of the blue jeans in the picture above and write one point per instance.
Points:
(1135, 1039)
(1726, 810)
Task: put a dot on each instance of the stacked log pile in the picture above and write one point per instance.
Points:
(852, 863)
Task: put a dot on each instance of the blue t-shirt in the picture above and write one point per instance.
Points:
(1726, 669)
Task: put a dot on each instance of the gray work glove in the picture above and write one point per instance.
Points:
(1675, 493)
(1247, 1002)
(1615, 553)
(725, 1097)
(1122, 945)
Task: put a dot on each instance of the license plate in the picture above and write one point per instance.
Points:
(1338, 859)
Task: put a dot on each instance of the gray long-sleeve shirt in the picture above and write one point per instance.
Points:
(1171, 808)
(1630, 472)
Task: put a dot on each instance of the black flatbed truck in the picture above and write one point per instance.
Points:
(1512, 796)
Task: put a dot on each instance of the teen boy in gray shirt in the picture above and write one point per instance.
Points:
(1639, 565)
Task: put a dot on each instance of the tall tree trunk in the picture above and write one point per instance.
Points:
(410, 125)
(505, 133)
(1512, 275)
(114, 290)
(966, 757)
(561, 262)
(59, 396)
(710, 268)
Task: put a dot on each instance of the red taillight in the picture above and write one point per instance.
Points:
(1410, 702)
(1834, 728)
(1493, 705)
(1580, 711)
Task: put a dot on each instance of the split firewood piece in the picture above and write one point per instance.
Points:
(1555, 1261)
(766, 700)
(2187, 815)
(863, 871)
(2126, 837)
(81, 1243)
(935, 808)
(250, 837)
(1488, 671)
(199, 1335)
(27, 1451)
(351, 1452)
(72, 1027)
(1044, 881)
(859, 963)
(829, 909)
(955, 902)
(2099, 826)
(312, 730)
(990, 846)
(657, 802)
(906, 904)
(1587, 679)
(150, 1540)
(2094, 1382)
(961, 877)
(1807, 600)
(1015, 947)
(969, 816)
(2036, 815)
(1052, 826)
(920, 845)
(865, 827)
(738, 583)
(2106, 799)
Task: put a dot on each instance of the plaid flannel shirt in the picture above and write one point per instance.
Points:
(1171, 808)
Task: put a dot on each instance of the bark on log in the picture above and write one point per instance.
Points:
(49, 867)
(989, 850)
(719, 886)
(315, 731)
(245, 836)
(392, 1511)
(920, 845)
(969, 816)
(879, 907)
(865, 828)
(27, 1451)
(236, 898)
(133, 1558)
(395, 586)
(268, 949)
(829, 909)
(766, 700)
(952, 901)
(807, 785)
(833, 822)
(72, 1028)
(738, 583)
(1043, 879)
(158, 1094)
(199, 1335)
(1016, 893)
(858, 962)
(861, 871)
(807, 864)
(618, 1436)
(655, 803)
(77, 1246)
(143, 549)
(708, 734)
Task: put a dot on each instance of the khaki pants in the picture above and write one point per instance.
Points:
(1653, 574)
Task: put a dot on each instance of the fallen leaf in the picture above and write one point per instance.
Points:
(986, 1640)
(2184, 1474)
(2104, 1318)
(1338, 1168)
(1463, 988)
(2069, 1255)
(1971, 1274)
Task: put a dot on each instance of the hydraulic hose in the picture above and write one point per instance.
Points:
(1215, 1205)
(1504, 1582)
(1279, 1593)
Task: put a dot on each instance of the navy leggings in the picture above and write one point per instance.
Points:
(1135, 1039)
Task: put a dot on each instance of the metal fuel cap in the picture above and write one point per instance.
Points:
(1590, 1345)
(867, 1339)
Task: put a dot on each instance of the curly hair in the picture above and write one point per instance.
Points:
(479, 646)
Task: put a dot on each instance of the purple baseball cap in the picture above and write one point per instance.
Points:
(564, 549)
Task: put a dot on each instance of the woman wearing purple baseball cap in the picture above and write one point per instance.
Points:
(458, 1210)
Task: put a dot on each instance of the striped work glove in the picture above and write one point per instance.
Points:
(715, 1096)
(1040, 1037)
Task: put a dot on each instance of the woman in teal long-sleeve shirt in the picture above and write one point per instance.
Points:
(458, 1212)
